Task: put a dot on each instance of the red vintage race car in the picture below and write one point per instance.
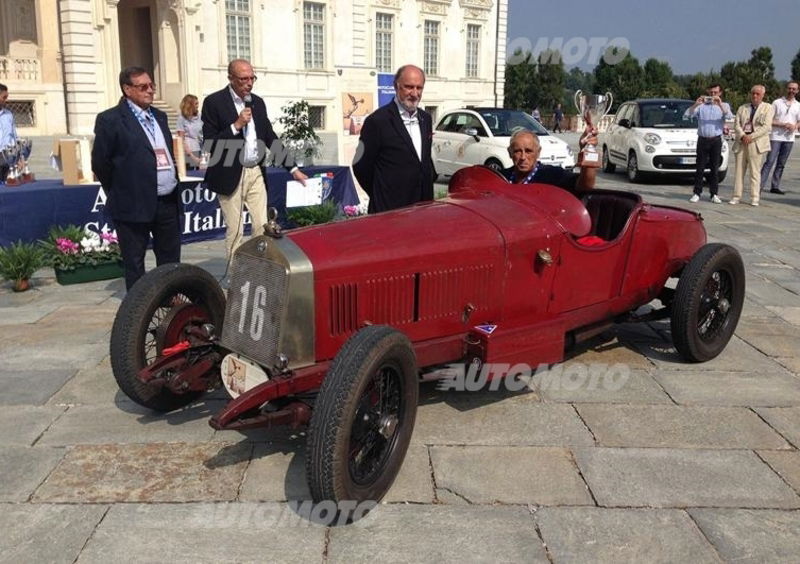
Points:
(332, 326)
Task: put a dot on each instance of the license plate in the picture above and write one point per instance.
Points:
(687, 160)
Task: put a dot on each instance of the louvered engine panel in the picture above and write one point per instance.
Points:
(444, 293)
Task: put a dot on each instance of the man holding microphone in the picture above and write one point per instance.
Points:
(235, 122)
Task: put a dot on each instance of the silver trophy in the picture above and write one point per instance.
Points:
(10, 157)
(592, 108)
(25, 148)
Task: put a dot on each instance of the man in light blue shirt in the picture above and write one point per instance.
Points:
(8, 132)
(711, 113)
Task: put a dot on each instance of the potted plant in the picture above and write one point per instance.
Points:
(313, 215)
(298, 136)
(79, 255)
(18, 262)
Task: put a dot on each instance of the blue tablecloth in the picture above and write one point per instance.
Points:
(27, 212)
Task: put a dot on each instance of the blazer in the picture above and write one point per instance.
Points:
(762, 125)
(386, 163)
(125, 164)
(225, 164)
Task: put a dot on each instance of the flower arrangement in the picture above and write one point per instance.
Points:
(67, 248)
(355, 211)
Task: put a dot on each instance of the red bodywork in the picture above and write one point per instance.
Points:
(491, 253)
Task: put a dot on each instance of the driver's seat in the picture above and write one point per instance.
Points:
(609, 212)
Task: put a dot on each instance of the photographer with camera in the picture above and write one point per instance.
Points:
(711, 113)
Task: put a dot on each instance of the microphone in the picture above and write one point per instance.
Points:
(248, 101)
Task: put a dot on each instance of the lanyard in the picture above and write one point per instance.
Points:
(527, 178)
(146, 118)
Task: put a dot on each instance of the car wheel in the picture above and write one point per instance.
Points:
(708, 301)
(155, 314)
(363, 417)
(721, 175)
(634, 174)
(495, 165)
(608, 166)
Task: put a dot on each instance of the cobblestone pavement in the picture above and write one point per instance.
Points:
(681, 462)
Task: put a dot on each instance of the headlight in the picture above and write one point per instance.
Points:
(652, 138)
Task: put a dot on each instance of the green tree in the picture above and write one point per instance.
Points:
(796, 67)
(625, 80)
(574, 80)
(549, 82)
(659, 81)
(519, 81)
(739, 77)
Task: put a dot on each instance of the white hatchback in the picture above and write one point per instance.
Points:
(652, 136)
(480, 136)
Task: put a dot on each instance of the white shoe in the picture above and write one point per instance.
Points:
(694, 199)
(754, 204)
(734, 201)
(715, 199)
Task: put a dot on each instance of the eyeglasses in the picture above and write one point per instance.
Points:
(246, 78)
(143, 87)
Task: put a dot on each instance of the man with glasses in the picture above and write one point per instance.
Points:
(235, 122)
(781, 139)
(133, 160)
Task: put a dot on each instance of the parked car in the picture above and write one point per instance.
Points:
(652, 136)
(480, 136)
(331, 327)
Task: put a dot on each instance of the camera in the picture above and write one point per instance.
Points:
(708, 99)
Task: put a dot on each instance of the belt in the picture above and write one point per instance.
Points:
(712, 137)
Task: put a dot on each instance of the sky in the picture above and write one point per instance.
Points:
(692, 36)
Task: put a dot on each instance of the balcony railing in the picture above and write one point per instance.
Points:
(19, 68)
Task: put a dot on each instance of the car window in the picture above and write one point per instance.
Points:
(503, 123)
(635, 118)
(667, 114)
(446, 122)
(623, 112)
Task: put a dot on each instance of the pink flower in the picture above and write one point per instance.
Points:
(67, 246)
(110, 237)
(350, 211)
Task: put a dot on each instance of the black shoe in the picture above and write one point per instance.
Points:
(777, 191)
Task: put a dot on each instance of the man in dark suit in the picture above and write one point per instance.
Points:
(393, 162)
(132, 157)
(235, 122)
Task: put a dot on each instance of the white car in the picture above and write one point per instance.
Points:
(652, 136)
(480, 136)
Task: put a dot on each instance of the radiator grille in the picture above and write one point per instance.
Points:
(255, 309)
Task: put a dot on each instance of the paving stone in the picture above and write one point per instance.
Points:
(738, 356)
(592, 534)
(751, 536)
(50, 356)
(19, 316)
(607, 350)
(129, 423)
(638, 477)
(616, 384)
(518, 475)
(768, 293)
(91, 386)
(679, 427)
(785, 420)
(204, 532)
(24, 468)
(502, 423)
(31, 387)
(22, 425)
(46, 533)
(147, 473)
(707, 387)
(786, 464)
(429, 533)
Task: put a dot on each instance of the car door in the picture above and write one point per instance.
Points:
(616, 151)
(442, 146)
(470, 151)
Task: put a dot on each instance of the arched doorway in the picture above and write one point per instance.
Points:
(136, 31)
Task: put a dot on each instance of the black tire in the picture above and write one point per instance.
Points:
(346, 411)
(146, 324)
(608, 166)
(708, 301)
(721, 175)
(495, 165)
(632, 169)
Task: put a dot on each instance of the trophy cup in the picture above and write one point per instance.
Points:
(592, 108)
(11, 158)
(25, 148)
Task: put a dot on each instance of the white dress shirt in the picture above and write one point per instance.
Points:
(411, 121)
(250, 151)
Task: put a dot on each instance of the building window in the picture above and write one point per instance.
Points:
(431, 48)
(237, 28)
(316, 117)
(473, 49)
(24, 112)
(384, 29)
(313, 34)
